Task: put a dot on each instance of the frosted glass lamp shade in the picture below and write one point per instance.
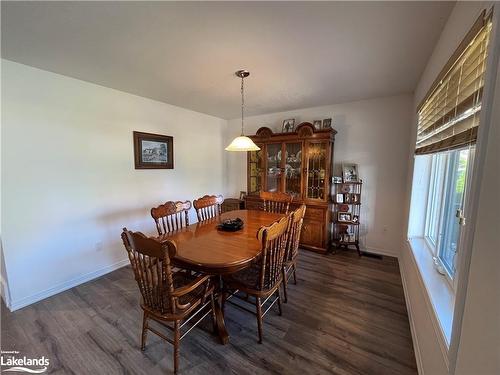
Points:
(242, 143)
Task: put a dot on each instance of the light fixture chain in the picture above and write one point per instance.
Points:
(242, 103)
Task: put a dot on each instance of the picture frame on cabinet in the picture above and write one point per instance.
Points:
(350, 172)
(327, 123)
(317, 124)
(288, 126)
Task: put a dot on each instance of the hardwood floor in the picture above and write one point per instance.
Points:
(347, 315)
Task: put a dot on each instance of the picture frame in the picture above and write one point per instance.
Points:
(344, 217)
(337, 179)
(350, 172)
(243, 194)
(153, 151)
(339, 198)
(317, 124)
(327, 123)
(288, 126)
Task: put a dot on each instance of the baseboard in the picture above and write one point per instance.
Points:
(23, 302)
(376, 250)
(416, 347)
(5, 291)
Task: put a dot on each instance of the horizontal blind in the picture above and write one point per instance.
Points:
(449, 116)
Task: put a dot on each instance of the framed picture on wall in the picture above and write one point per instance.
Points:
(153, 151)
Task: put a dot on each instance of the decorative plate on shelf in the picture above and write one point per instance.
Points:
(344, 208)
(345, 189)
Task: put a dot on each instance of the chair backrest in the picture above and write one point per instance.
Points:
(171, 216)
(296, 220)
(150, 260)
(276, 202)
(273, 239)
(208, 206)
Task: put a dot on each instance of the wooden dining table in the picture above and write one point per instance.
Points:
(202, 247)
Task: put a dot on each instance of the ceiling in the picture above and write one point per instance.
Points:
(300, 54)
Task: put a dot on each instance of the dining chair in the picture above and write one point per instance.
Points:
(276, 202)
(171, 216)
(292, 248)
(208, 207)
(170, 299)
(262, 280)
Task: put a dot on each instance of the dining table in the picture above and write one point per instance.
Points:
(202, 247)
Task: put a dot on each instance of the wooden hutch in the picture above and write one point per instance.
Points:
(299, 163)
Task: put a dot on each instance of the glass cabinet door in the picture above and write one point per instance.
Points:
(293, 169)
(273, 172)
(255, 169)
(316, 160)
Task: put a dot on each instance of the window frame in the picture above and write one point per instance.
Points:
(442, 167)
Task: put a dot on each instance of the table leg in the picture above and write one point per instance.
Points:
(219, 319)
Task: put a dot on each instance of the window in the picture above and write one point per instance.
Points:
(444, 216)
(448, 120)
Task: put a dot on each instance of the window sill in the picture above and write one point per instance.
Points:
(439, 290)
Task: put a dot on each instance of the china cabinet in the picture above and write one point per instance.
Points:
(298, 163)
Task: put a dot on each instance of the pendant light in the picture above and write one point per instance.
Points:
(242, 143)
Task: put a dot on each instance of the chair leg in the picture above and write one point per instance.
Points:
(144, 330)
(279, 301)
(294, 275)
(177, 335)
(259, 318)
(284, 285)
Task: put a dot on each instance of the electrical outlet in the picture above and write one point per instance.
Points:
(98, 246)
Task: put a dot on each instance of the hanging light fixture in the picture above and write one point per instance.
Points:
(242, 143)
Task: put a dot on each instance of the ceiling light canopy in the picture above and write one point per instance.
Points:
(242, 143)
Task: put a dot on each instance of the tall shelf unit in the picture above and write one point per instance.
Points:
(298, 163)
(346, 214)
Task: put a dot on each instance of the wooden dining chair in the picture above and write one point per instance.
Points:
(262, 280)
(170, 299)
(208, 207)
(276, 202)
(171, 216)
(292, 247)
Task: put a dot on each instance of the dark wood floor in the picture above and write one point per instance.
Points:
(347, 315)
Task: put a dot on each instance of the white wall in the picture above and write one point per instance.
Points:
(479, 346)
(431, 357)
(68, 178)
(372, 133)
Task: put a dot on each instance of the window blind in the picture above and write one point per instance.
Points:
(448, 117)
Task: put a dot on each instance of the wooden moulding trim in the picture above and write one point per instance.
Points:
(464, 138)
(476, 27)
